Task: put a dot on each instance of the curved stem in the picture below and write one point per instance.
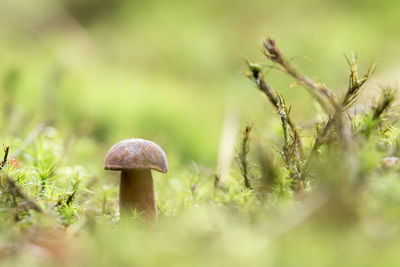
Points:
(137, 193)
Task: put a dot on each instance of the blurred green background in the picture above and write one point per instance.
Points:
(170, 71)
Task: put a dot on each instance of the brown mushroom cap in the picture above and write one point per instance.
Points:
(136, 154)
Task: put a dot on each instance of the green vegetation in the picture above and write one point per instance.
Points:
(312, 179)
(326, 200)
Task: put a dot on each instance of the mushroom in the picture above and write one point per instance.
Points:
(135, 158)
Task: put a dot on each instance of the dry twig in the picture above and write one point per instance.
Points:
(243, 153)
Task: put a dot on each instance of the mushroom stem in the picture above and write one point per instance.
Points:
(137, 193)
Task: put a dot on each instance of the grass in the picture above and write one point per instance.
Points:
(326, 194)
(315, 182)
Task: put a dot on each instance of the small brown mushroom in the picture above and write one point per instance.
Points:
(135, 158)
